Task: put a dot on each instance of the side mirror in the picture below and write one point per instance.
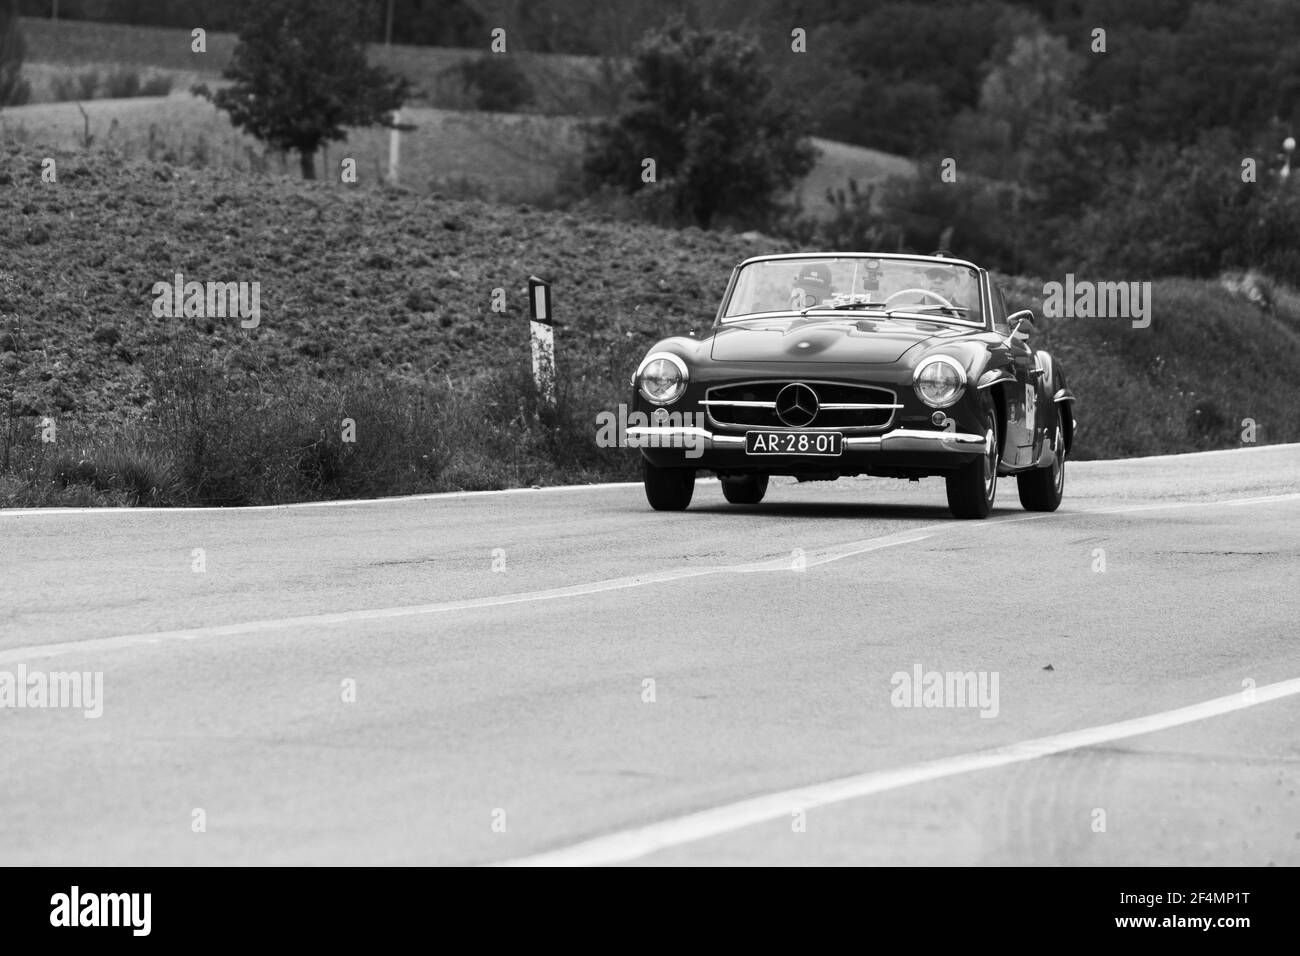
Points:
(1022, 323)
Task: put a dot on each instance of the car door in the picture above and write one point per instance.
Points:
(1022, 405)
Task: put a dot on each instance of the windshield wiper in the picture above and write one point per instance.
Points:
(941, 308)
(843, 307)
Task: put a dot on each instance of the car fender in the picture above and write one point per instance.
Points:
(1061, 398)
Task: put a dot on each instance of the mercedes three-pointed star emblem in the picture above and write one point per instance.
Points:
(797, 405)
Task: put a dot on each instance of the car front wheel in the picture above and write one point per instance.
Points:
(668, 489)
(746, 490)
(971, 490)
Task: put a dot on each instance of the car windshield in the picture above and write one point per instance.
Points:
(855, 285)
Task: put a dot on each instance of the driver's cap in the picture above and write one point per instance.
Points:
(816, 272)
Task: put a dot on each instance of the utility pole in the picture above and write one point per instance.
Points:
(388, 24)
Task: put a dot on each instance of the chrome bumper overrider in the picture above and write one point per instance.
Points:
(898, 440)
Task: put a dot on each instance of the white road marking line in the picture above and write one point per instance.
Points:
(1244, 449)
(1261, 500)
(396, 499)
(636, 843)
(812, 558)
(1126, 509)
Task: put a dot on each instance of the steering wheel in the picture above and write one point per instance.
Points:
(925, 292)
(800, 298)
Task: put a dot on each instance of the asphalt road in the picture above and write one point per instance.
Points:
(566, 676)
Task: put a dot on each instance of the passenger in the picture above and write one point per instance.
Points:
(812, 287)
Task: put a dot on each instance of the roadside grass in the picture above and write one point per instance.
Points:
(83, 466)
(1211, 361)
(226, 430)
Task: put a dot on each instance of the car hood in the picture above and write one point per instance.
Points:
(798, 339)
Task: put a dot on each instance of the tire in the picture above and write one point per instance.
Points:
(972, 489)
(748, 490)
(668, 489)
(1042, 488)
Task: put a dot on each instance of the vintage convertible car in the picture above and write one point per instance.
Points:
(830, 365)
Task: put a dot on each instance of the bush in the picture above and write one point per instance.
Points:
(856, 222)
(88, 84)
(495, 83)
(156, 84)
(64, 87)
(1272, 241)
(14, 90)
(122, 83)
(235, 431)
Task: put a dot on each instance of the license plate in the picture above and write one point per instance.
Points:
(793, 443)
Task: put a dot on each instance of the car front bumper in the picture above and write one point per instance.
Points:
(675, 446)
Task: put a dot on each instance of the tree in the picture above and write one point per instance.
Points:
(429, 22)
(919, 64)
(702, 108)
(14, 90)
(300, 76)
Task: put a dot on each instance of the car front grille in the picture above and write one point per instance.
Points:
(849, 407)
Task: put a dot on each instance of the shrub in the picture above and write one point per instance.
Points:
(495, 83)
(87, 85)
(14, 90)
(122, 83)
(236, 431)
(156, 84)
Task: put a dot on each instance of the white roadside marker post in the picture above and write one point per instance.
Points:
(394, 145)
(543, 338)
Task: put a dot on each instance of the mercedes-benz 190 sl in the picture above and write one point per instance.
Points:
(829, 365)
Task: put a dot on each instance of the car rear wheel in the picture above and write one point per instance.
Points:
(745, 490)
(1042, 488)
(668, 489)
(972, 489)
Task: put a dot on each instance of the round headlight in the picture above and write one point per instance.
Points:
(939, 381)
(662, 378)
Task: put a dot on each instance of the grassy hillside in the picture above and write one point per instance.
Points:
(496, 156)
(377, 306)
(454, 149)
(837, 163)
(499, 156)
(561, 84)
(1209, 359)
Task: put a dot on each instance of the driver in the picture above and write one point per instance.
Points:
(953, 286)
(812, 286)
